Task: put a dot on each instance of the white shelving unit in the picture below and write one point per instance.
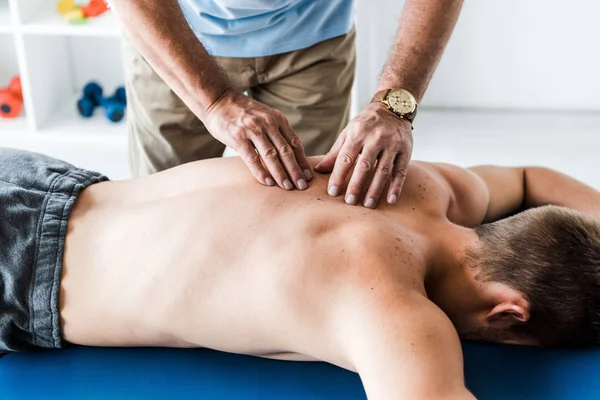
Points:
(5, 24)
(55, 60)
(50, 23)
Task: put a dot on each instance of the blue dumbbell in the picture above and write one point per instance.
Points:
(114, 106)
(120, 95)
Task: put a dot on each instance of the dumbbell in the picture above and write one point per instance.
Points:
(76, 14)
(11, 99)
(94, 8)
(120, 95)
(114, 106)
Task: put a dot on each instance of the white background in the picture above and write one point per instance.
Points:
(508, 54)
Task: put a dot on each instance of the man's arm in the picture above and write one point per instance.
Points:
(489, 193)
(404, 347)
(376, 134)
(160, 31)
(516, 189)
(425, 28)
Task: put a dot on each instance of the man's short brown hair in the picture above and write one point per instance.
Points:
(552, 256)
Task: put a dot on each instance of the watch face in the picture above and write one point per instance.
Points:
(401, 101)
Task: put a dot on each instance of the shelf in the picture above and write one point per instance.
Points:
(67, 125)
(14, 127)
(5, 23)
(51, 23)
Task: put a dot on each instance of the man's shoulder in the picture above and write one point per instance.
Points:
(465, 191)
(450, 175)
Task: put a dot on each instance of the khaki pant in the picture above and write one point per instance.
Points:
(310, 86)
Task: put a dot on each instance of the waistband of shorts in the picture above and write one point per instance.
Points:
(46, 274)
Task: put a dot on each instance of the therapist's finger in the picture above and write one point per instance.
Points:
(252, 160)
(270, 157)
(292, 138)
(363, 171)
(287, 156)
(383, 174)
(343, 165)
(398, 176)
(326, 164)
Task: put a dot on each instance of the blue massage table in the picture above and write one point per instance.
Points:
(492, 372)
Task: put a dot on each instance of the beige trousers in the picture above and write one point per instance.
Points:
(310, 86)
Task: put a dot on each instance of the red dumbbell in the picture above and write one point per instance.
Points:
(94, 8)
(11, 99)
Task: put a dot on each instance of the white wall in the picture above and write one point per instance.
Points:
(508, 54)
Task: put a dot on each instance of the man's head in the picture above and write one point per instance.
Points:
(540, 271)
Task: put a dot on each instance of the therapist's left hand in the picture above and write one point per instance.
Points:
(376, 146)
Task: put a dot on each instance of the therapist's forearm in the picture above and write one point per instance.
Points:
(159, 30)
(425, 28)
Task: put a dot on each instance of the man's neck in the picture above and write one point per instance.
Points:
(450, 274)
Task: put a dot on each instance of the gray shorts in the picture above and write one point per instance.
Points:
(36, 196)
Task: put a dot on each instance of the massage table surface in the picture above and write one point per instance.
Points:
(492, 372)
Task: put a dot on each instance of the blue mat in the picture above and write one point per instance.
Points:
(492, 372)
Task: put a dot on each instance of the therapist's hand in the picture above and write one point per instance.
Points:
(376, 146)
(262, 137)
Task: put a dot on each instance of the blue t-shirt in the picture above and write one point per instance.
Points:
(256, 28)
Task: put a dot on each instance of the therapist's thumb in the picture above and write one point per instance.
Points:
(325, 166)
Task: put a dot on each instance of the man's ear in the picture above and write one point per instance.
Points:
(511, 306)
(508, 313)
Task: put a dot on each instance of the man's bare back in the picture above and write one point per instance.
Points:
(204, 256)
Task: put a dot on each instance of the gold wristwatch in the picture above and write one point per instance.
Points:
(399, 101)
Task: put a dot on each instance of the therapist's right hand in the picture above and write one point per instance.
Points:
(263, 138)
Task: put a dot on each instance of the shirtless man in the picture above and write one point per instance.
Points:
(203, 256)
